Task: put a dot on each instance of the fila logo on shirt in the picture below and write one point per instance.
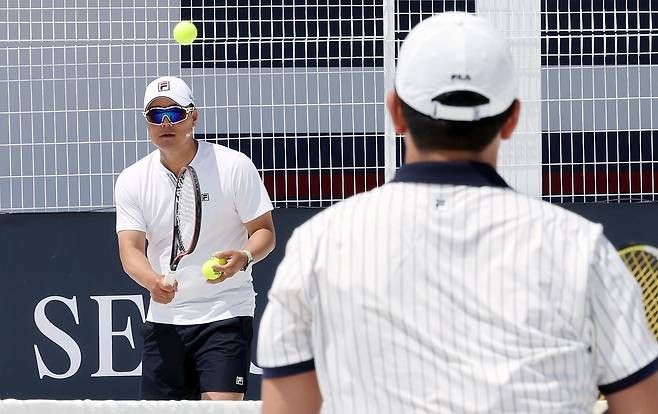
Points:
(163, 86)
(205, 197)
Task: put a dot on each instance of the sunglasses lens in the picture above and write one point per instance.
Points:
(173, 114)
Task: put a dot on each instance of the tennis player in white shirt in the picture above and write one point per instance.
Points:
(445, 291)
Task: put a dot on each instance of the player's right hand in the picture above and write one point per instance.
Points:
(162, 292)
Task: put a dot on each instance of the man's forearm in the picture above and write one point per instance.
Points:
(261, 243)
(137, 266)
(296, 394)
(641, 398)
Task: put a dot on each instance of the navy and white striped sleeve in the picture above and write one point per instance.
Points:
(284, 339)
(625, 349)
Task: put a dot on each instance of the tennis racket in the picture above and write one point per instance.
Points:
(642, 261)
(187, 219)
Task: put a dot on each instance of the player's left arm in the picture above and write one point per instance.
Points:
(262, 238)
(253, 205)
(640, 398)
(261, 242)
(625, 350)
(294, 394)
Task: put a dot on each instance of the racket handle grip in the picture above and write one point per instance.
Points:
(169, 278)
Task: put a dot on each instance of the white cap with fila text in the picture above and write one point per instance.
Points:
(171, 87)
(453, 52)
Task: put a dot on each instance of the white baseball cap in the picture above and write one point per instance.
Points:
(452, 52)
(170, 87)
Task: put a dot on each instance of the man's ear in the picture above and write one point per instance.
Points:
(512, 121)
(394, 106)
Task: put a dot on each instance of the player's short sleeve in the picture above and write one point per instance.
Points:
(129, 214)
(626, 352)
(284, 339)
(251, 198)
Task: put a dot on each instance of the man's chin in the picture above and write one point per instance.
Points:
(167, 141)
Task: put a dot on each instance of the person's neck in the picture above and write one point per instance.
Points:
(489, 155)
(175, 160)
(446, 156)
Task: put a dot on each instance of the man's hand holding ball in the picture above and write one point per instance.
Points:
(225, 264)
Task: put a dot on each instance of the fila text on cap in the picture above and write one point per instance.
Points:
(452, 52)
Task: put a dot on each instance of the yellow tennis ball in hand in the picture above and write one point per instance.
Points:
(185, 32)
(207, 270)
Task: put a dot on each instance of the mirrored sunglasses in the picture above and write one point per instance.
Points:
(174, 114)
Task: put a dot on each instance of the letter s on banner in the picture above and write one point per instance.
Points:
(59, 337)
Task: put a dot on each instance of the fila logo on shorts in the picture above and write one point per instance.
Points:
(239, 381)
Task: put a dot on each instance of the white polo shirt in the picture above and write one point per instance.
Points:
(444, 291)
(232, 194)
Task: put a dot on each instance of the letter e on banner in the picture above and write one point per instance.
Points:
(105, 334)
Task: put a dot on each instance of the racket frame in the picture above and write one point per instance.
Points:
(177, 253)
(637, 247)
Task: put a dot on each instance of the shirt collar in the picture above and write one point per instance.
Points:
(200, 150)
(200, 147)
(470, 173)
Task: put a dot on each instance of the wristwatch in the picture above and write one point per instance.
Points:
(250, 259)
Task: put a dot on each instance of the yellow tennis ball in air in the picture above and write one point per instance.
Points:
(185, 32)
(207, 270)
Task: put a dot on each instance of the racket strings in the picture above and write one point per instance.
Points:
(644, 266)
(186, 213)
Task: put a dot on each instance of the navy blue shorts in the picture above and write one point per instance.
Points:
(180, 362)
